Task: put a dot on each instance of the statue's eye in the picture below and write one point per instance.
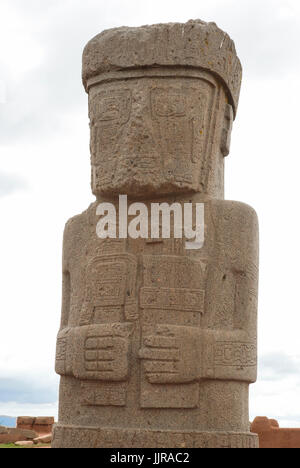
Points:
(109, 109)
(112, 105)
(168, 104)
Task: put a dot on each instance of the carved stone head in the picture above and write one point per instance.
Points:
(162, 99)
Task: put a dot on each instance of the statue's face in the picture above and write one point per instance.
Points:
(151, 135)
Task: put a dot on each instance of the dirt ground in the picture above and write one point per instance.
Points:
(30, 447)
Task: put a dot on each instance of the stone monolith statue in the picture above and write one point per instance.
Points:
(157, 344)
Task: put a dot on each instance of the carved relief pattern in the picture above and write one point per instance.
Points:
(173, 286)
(178, 117)
(110, 281)
(103, 352)
(235, 354)
(107, 394)
(109, 112)
(162, 145)
(176, 299)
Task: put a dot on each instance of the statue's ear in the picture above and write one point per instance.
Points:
(227, 128)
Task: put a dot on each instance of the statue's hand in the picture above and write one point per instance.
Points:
(102, 352)
(172, 355)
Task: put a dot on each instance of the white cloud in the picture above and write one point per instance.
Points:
(20, 52)
(10, 183)
(17, 409)
(2, 92)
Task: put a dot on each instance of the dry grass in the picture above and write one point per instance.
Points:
(30, 447)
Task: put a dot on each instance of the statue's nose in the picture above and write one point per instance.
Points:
(139, 130)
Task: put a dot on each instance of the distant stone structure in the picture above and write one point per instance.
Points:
(272, 436)
(41, 425)
(29, 430)
(157, 344)
(10, 435)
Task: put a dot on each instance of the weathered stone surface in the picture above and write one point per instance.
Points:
(44, 420)
(193, 44)
(25, 422)
(25, 433)
(15, 434)
(157, 345)
(87, 437)
(24, 443)
(41, 424)
(45, 439)
(3, 430)
(272, 436)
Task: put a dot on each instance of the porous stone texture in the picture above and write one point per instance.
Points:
(272, 436)
(193, 44)
(157, 344)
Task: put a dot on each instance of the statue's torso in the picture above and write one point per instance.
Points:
(136, 312)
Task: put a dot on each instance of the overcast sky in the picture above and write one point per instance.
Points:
(45, 176)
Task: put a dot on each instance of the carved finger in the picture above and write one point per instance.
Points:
(97, 366)
(105, 366)
(114, 330)
(155, 341)
(104, 343)
(105, 355)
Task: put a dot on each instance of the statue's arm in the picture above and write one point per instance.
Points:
(87, 351)
(63, 364)
(230, 354)
(226, 350)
